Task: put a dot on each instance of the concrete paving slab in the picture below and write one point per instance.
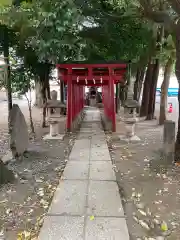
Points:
(97, 146)
(62, 228)
(106, 229)
(101, 155)
(102, 170)
(98, 136)
(69, 198)
(88, 187)
(76, 170)
(83, 136)
(99, 140)
(81, 144)
(104, 199)
(79, 155)
(85, 130)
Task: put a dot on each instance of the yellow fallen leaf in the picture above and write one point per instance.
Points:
(91, 218)
(20, 236)
(164, 226)
(25, 235)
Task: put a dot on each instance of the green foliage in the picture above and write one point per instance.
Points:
(5, 2)
(51, 31)
(50, 28)
(114, 38)
(21, 81)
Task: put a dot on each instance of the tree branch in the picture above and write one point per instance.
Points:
(161, 17)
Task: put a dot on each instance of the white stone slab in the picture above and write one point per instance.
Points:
(104, 199)
(76, 170)
(99, 155)
(102, 170)
(132, 139)
(69, 198)
(106, 229)
(62, 228)
(57, 137)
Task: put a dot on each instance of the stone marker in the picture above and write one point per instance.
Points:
(19, 137)
(6, 175)
(169, 140)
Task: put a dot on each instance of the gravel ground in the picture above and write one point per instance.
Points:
(149, 187)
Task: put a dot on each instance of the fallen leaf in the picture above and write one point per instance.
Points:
(39, 180)
(8, 211)
(91, 218)
(142, 212)
(144, 224)
(3, 201)
(30, 211)
(164, 226)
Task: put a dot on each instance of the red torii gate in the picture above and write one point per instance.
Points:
(80, 74)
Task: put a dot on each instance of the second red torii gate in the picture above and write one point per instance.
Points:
(80, 74)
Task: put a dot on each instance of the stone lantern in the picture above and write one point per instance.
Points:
(130, 120)
(54, 108)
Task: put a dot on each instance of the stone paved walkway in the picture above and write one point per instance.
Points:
(87, 204)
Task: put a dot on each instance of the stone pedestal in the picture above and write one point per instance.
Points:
(130, 129)
(54, 129)
(169, 140)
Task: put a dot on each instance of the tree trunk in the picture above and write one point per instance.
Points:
(138, 83)
(29, 100)
(152, 91)
(38, 94)
(62, 91)
(177, 145)
(8, 74)
(117, 97)
(47, 85)
(121, 95)
(147, 83)
(44, 78)
(152, 94)
(164, 90)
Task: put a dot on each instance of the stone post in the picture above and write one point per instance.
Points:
(169, 140)
(54, 95)
(54, 128)
(130, 93)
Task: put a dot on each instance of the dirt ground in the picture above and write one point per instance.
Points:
(24, 203)
(149, 188)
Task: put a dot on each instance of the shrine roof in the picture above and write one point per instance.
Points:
(94, 64)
